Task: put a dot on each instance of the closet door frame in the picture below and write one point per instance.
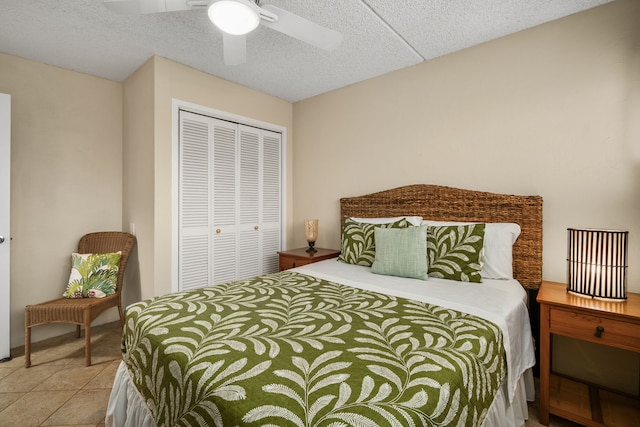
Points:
(176, 107)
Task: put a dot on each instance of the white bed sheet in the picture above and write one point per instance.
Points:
(503, 302)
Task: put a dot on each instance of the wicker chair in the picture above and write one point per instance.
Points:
(82, 311)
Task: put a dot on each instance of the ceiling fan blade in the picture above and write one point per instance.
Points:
(134, 7)
(235, 49)
(302, 29)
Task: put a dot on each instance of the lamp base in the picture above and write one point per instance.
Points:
(311, 249)
(599, 298)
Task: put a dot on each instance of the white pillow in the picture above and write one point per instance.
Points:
(413, 220)
(499, 238)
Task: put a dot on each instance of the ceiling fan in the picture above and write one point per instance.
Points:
(236, 18)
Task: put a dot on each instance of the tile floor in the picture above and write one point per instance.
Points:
(59, 390)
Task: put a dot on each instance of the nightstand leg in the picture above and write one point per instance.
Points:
(545, 364)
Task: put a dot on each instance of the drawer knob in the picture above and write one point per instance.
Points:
(599, 331)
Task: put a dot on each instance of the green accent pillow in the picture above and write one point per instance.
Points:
(358, 241)
(93, 275)
(455, 252)
(401, 252)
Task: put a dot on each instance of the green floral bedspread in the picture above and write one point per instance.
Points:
(292, 350)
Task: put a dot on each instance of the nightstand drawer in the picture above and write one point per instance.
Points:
(299, 257)
(289, 262)
(586, 327)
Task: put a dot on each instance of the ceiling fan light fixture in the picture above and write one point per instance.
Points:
(234, 16)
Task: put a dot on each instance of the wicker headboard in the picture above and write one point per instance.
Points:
(453, 204)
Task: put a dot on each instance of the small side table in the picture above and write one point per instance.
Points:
(299, 257)
(615, 324)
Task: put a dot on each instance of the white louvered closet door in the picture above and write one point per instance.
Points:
(271, 200)
(249, 220)
(194, 211)
(230, 201)
(225, 202)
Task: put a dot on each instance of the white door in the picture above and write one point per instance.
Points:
(5, 240)
(271, 202)
(229, 201)
(194, 214)
(223, 162)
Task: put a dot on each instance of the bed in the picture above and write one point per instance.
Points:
(334, 344)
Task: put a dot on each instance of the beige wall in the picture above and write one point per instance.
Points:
(552, 111)
(66, 177)
(152, 213)
(138, 173)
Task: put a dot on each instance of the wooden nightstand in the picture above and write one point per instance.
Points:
(298, 257)
(615, 324)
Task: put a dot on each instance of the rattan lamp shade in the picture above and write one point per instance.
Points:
(597, 263)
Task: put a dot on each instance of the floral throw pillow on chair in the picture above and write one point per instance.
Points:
(93, 275)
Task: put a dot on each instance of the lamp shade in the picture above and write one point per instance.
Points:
(597, 263)
(311, 230)
(234, 16)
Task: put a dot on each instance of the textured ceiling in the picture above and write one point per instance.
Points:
(380, 36)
